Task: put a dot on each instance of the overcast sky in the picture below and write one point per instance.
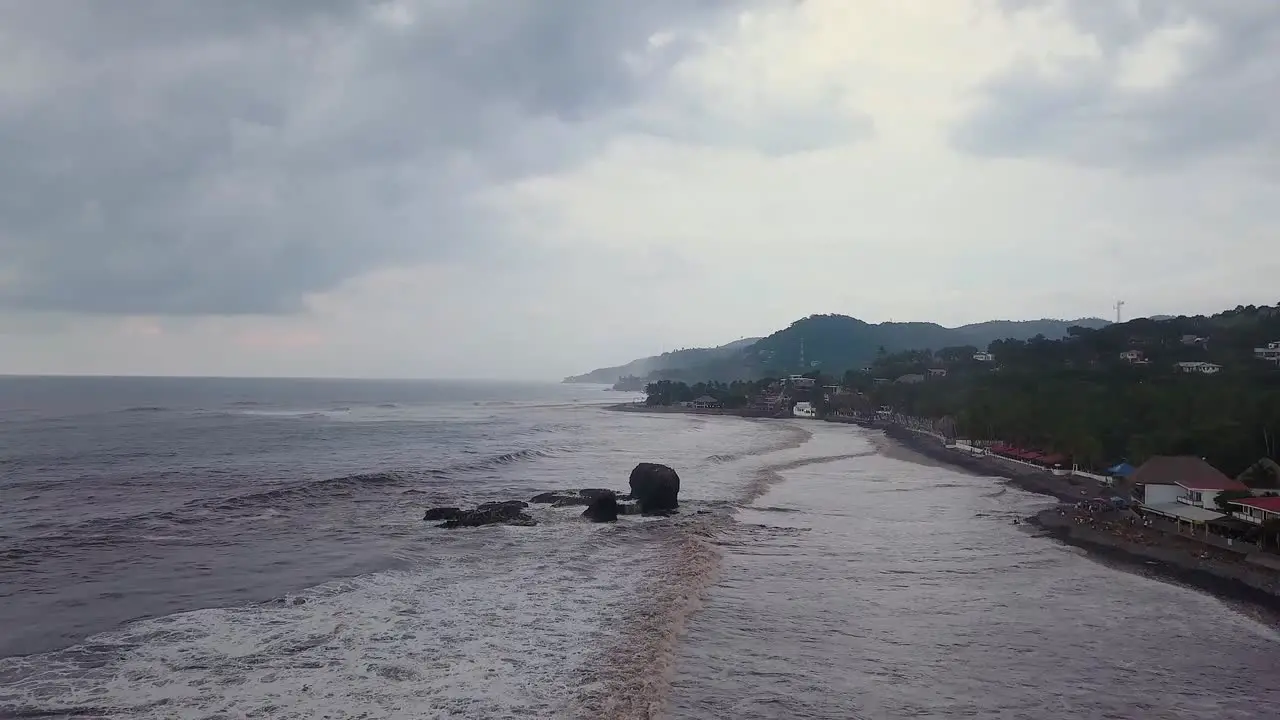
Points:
(508, 188)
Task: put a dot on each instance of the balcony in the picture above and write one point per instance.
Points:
(1256, 520)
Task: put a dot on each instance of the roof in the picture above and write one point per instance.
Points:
(1123, 469)
(705, 399)
(1270, 504)
(1188, 471)
(1189, 513)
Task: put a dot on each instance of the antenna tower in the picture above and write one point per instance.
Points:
(1118, 306)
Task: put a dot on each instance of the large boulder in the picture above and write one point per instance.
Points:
(655, 487)
(604, 508)
(442, 513)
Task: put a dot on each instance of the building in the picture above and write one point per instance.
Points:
(984, 357)
(910, 379)
(801, 382)
(937, 372)
(1194, 340)
(1182, 488)
(1199, 368)
(706, 402)
(1256, 510)
(1134, 357)
(1270, 353)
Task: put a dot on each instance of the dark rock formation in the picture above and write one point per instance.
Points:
(443, 513)
(549, 498)
(509, 513)
(655, 487)
(604, 508)
(593, 493)
(629, 508)
(517, 504)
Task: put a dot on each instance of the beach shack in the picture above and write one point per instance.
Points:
(706, 402)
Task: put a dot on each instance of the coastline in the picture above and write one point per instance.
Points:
(1222, 573)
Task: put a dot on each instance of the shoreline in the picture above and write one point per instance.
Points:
(1224, 574)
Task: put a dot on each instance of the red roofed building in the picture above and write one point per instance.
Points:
(1184, 478)
(1257, 510)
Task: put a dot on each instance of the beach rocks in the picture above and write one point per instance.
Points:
(573, 498)
(508, 513)
(603, 508)
(516, 504)
(550, 498)
(655, 487)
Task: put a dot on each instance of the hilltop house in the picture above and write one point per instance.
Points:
(1256, 510)
(984, 357)
(1270, 353)
(937, 372)
(1194, 340)
(910, 379)
(1134, 357)
(1199, 368)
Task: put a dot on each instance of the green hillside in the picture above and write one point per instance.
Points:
(831, 343)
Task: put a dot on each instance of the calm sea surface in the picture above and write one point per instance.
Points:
(254, 548)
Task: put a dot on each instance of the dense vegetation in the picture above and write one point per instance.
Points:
(1077, 395)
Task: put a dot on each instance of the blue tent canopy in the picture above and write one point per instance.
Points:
(1124, 469)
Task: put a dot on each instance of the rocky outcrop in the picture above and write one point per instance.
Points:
(510, 512)
(573, 498)
(550, 498)
(655, 487)
(516, 504)
(604, 508)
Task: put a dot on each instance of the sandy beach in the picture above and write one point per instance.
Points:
(1107, 535)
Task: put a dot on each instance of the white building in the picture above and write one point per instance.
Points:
(984, 357)
(1271, 352)
(1199, 368)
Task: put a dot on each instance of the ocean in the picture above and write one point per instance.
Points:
(226, 548)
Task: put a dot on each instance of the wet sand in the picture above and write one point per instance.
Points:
(1170, 557)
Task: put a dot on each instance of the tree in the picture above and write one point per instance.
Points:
(1226, 497)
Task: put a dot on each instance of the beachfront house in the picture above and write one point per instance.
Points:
(1256, 510)
(706, 402)
(1199, 368)
(1179, 479)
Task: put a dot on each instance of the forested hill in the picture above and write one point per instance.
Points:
(831, 344)
(676, 360)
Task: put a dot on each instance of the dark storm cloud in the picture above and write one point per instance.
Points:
(1225, 101)
(170, 156)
